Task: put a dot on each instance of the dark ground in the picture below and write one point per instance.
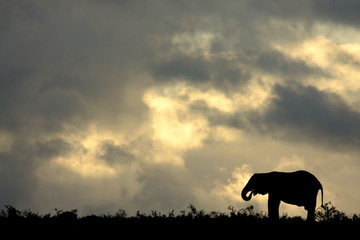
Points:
(190, 224)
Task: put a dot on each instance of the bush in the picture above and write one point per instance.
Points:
(329, 213)
(248, 215)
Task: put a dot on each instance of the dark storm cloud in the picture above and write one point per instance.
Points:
(16, 174)
(164, 187)
(217, 72)
(17, 167)
(306, 113)
(217, 117)
(115, 154)
(338, 11)
(297, 113)
(57, 57)
(52, 148)
(309, 11)
(274, 62)
(185, 67)
(230, 74)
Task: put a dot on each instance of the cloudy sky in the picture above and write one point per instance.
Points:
(153, 105)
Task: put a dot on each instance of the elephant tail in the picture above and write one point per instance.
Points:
(322, 197)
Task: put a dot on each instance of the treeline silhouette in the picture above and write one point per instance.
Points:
(246, 215)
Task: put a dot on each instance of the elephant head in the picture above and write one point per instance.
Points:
(257, 184)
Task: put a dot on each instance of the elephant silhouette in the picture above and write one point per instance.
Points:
(298, 188)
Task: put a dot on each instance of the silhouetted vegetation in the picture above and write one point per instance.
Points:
(189, 223)
(192, 215)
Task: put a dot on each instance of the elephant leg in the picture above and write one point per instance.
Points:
(273, 207)
(310, 213)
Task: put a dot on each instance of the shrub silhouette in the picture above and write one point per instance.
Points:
(66, 215)
(11, 213)
(329, 214)
(246, 215)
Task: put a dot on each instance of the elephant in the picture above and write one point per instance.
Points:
(298, 188)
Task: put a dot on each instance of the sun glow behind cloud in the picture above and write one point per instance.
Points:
(85, 164)
(177, 128)
(232, 189)
(84, 157)
(172, 124)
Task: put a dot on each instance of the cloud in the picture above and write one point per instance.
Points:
(177, 126)
(308, 12)
(115, 154)
(48, 149)
(165, 187)
(309, 114)
(219, 71)
(185, 67)
(155, 104)
(275, 62)
(16, 170)
(337, 59)
(239, 179)
(338, 11)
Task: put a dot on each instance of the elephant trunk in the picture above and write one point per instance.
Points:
(245, 192)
